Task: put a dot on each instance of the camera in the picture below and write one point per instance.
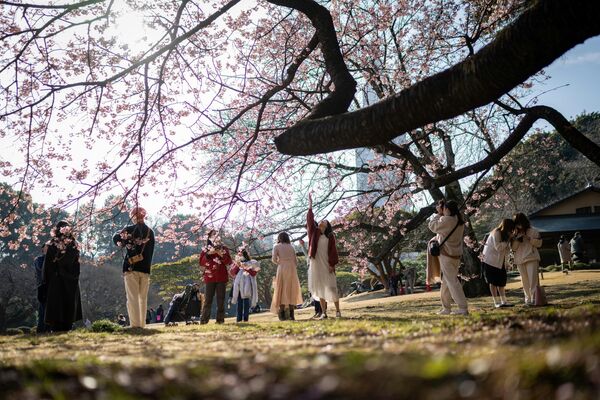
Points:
(135, 259)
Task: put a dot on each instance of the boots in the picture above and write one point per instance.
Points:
(292, 313)
(281, 314)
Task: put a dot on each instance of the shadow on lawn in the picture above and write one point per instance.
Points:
(140, 331)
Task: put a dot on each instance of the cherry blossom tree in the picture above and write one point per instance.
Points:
(236, 109)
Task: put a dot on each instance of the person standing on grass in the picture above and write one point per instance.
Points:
(61, 275)
(577, 248)
(42, 290)
(323, 259)
(287, 293)
(138, 241)
(245, 289)
(316, 301)
(449, 226)
(564, 250)
(214, 260)
(525, 245)
(495, 251)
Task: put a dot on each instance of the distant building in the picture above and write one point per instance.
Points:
(578, 212)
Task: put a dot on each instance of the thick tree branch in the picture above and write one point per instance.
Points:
(543, 32)
(339, 100)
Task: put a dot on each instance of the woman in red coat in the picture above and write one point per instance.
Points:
(214, 259)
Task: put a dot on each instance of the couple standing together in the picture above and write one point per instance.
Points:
(322, 256)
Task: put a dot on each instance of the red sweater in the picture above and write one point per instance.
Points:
(215, 266)
(313, 240)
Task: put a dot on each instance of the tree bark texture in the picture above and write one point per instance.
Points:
(339, 100)
(541, 34)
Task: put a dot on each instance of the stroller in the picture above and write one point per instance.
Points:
(185, 306)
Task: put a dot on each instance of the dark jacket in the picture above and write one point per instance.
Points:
(61, 275)
(42, 288)
(139, 239)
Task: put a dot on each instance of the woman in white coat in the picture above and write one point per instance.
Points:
(525, 247)
(449, 225)
(495, 250)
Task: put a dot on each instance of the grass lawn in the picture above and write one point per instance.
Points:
(383, 348)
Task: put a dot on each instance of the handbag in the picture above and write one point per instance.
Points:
(139, 257)
(435, 247)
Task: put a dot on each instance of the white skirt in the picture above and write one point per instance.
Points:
(321, 282)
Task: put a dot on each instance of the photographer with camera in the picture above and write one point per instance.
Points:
(447, 246)
(138, 241)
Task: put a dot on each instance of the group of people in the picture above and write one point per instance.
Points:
(157, 315)
(218, 267)
(58, 269)
(570, 251)
(511, 235)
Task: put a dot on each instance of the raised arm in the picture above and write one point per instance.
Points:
(311, 225)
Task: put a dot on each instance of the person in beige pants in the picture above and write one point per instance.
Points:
(449, 225)
(138, 241)
(525, 245)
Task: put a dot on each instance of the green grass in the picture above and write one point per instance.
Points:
(390, 350)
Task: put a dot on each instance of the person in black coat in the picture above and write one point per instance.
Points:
(61, 276)
(42, 290)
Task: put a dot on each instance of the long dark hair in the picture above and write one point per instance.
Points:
(329, 230)
(59, 225)
(521, 219)
(208, 241)
(506, 227)
(283, 237)
(453, 207)
(245, 255)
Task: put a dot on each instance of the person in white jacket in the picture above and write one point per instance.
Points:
(245, 289)
(564, 250)
(449, 225)
(495, 251)
(525, 245)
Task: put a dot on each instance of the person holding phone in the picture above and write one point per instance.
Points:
(449, 226)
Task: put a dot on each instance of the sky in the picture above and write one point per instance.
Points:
(579, 70)
(573, 87)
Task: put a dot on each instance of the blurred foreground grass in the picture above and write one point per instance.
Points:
(392, 350)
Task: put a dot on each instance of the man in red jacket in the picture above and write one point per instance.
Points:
(214, 259)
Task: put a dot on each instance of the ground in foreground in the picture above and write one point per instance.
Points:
(382, 348)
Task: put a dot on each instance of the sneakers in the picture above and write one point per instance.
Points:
(444, 311)
(338, 314)
(460, 312)
(323, 316)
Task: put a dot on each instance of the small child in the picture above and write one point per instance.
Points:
(245, 290)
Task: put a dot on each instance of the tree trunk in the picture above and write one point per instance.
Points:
(471, 266)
